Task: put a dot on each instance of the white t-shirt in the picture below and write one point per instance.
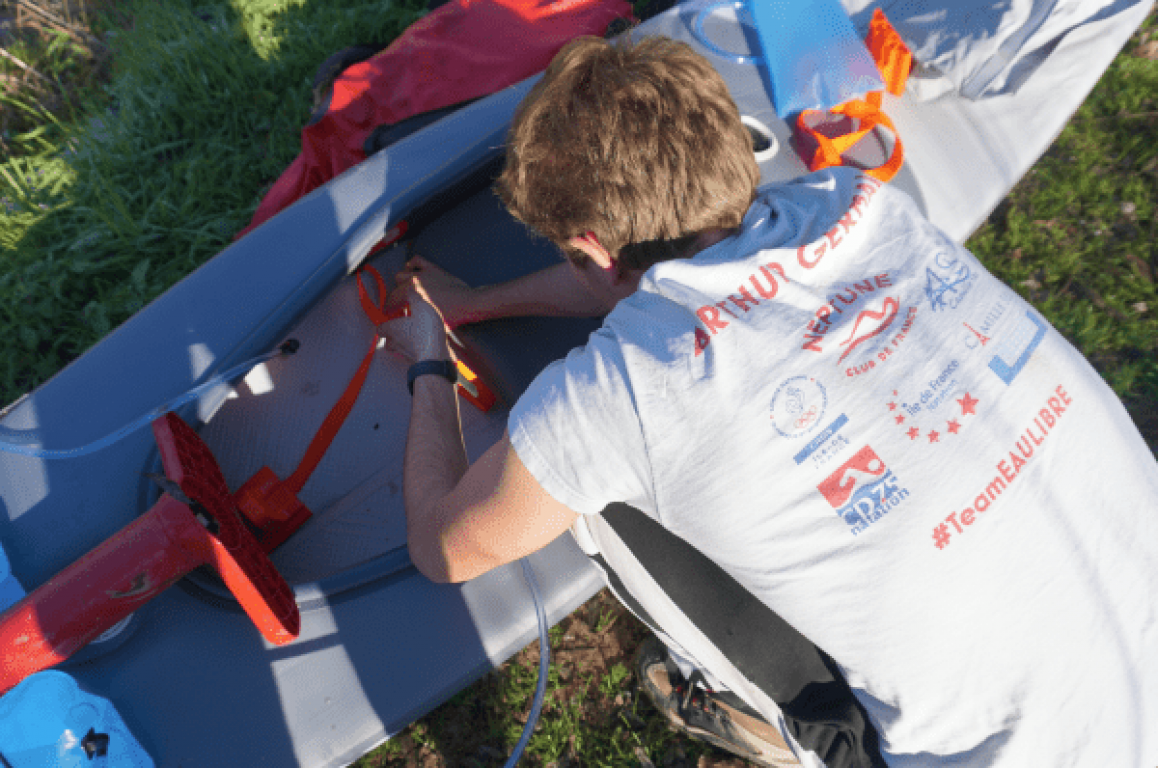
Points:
(897, 454)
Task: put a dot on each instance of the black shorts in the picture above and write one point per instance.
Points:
(693, 605)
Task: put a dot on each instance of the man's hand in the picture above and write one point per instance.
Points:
(461, 520)
(454, 298)
(422, 335)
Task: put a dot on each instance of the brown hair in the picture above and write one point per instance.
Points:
(638, 143)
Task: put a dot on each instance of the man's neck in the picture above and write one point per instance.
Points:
(628, 280)
(711, 237)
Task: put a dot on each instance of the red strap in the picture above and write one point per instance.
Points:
(868, 116)
(889, 51)
(470, 386)
(377, 312)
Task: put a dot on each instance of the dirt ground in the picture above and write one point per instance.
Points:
(592, 644)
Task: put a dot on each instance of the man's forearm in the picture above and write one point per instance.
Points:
(552, 292)
(435, 462)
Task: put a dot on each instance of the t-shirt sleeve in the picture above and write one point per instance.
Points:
(577, 431)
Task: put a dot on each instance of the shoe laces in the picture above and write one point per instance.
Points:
(690, 694)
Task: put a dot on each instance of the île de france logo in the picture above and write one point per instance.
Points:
(863, 490)
(798, 406)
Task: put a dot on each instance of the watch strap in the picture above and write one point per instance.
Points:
(444, 368)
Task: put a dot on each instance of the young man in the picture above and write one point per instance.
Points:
(809, 384)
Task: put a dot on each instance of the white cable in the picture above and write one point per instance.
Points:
(544, 660)
(12, 441)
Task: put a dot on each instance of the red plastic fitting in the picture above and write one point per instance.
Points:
(143, 559)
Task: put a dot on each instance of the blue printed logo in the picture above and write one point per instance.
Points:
(798, 406)
(826, 444)
(1016, 347)
(863, 490)
(948, 284)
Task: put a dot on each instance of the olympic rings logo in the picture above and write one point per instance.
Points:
(808, 417)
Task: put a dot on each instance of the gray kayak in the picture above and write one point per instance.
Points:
(380, 645)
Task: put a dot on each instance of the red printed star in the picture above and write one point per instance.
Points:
(953, 426)
(914, 433)
(894, 393)
(900, 418)
(968, 405)
(892, 406)
(934, 436)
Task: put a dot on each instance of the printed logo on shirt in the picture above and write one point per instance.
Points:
(798, 406)
(932, 412)
(863, 490)
(852, 301)
(1021, 453)
(863, 322)
(947, 282)
(978, 332)
(825, 445)
(764, 283)
(1015, 347)
(886, 351)
(869, 324)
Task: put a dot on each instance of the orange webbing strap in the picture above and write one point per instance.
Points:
(377, 312)
(471, 388)
(329, 429)
(337, 416)
(868, 117)
(481, 397)
(895, 61)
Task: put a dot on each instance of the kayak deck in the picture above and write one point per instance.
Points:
(355, 493)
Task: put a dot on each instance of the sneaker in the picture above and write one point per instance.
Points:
(721, 719)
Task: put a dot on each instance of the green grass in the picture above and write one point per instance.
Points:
(1077, 235)
(101, 214)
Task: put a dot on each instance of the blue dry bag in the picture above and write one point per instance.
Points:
(47, 721)
(811, 54)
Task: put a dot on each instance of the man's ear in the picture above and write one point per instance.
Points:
(594, 249)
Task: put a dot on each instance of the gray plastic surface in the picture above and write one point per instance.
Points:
(235, 306)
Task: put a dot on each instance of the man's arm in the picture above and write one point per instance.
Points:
(462, 520)
(495, 513)
(557, 291)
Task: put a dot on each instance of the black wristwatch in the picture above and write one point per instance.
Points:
(444, 368)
